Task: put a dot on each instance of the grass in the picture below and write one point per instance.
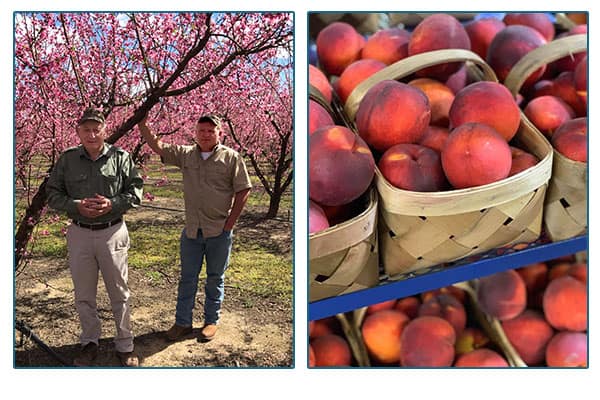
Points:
(260, 274)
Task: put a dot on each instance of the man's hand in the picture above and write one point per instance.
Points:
(93, 207)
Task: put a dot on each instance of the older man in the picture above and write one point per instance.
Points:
(95, 184)
(215, 187)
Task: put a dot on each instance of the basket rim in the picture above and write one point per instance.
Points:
(322, 242)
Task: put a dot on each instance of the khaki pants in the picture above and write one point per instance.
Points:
(105, 251)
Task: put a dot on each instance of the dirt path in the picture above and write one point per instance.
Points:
(256, 336)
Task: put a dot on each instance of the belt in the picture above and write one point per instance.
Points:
(97, 227)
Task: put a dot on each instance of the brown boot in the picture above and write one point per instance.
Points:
(208, 332)
(176, 332)
(128, 359)
(87, 355)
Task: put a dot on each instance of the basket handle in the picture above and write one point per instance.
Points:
(545, 54)
(316, 95)
(409, 65)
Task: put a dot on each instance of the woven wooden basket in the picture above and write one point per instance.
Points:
(345, 257)
(418, 230)
(565, 209)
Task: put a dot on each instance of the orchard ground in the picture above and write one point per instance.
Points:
(256, 326)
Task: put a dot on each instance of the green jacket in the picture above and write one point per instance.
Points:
(75, 176)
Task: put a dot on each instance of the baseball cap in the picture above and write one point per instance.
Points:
(91, 114)
(210, 118)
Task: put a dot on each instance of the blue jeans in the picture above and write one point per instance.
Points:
(193, 251)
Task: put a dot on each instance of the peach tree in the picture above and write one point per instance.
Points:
(174, 66)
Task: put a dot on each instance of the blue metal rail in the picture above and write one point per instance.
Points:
(437, 277)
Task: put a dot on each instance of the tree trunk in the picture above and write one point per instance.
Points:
(29, 221)
(274, 201)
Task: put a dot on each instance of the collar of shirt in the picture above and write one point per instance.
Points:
(214, 150)
(83, 153)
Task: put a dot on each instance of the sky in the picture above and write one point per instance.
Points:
(297, 382)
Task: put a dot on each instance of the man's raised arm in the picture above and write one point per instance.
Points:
(150, 138)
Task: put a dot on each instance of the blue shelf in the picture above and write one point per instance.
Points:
(437, 277)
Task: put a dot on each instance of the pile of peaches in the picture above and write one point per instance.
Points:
(542, 309)
(436, 130)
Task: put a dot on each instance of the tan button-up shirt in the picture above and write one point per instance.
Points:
(209, 186)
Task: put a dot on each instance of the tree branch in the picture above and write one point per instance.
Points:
(73, 59)
(144, 58)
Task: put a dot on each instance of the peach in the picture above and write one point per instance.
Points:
(341, 166)
(427, 342)
(558, 270)
(580, 79)
(579, 272)
(488, 103)
(563, 86)
(547, 113)
(381, 333)
(578, 18)
(534, 275)
(481, 32)
(387, 45)
(564, 259)
(391, 113)
(317, 78)
(475, 155)
(458, 293)
(502, 295)
(409, 306)
(570, 139)
(529, 334)
(569, 62)
(331, 351)
(447, 307)
(413, 167)
(322, 327)
(509, 46)
(338, 45)
(567, 349)
(565, 304)
(543, 87)
(318, 117)
(458, 80)
(317, 220)
(521, 160)
(539, 21)
(440, 99)
(344, 212)
(470, 339)
(578, 29)
(481, 358)
(354, 74)
(312, 362)
(435, 138)
(569, 268)
(384, 305)
(437, 32)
